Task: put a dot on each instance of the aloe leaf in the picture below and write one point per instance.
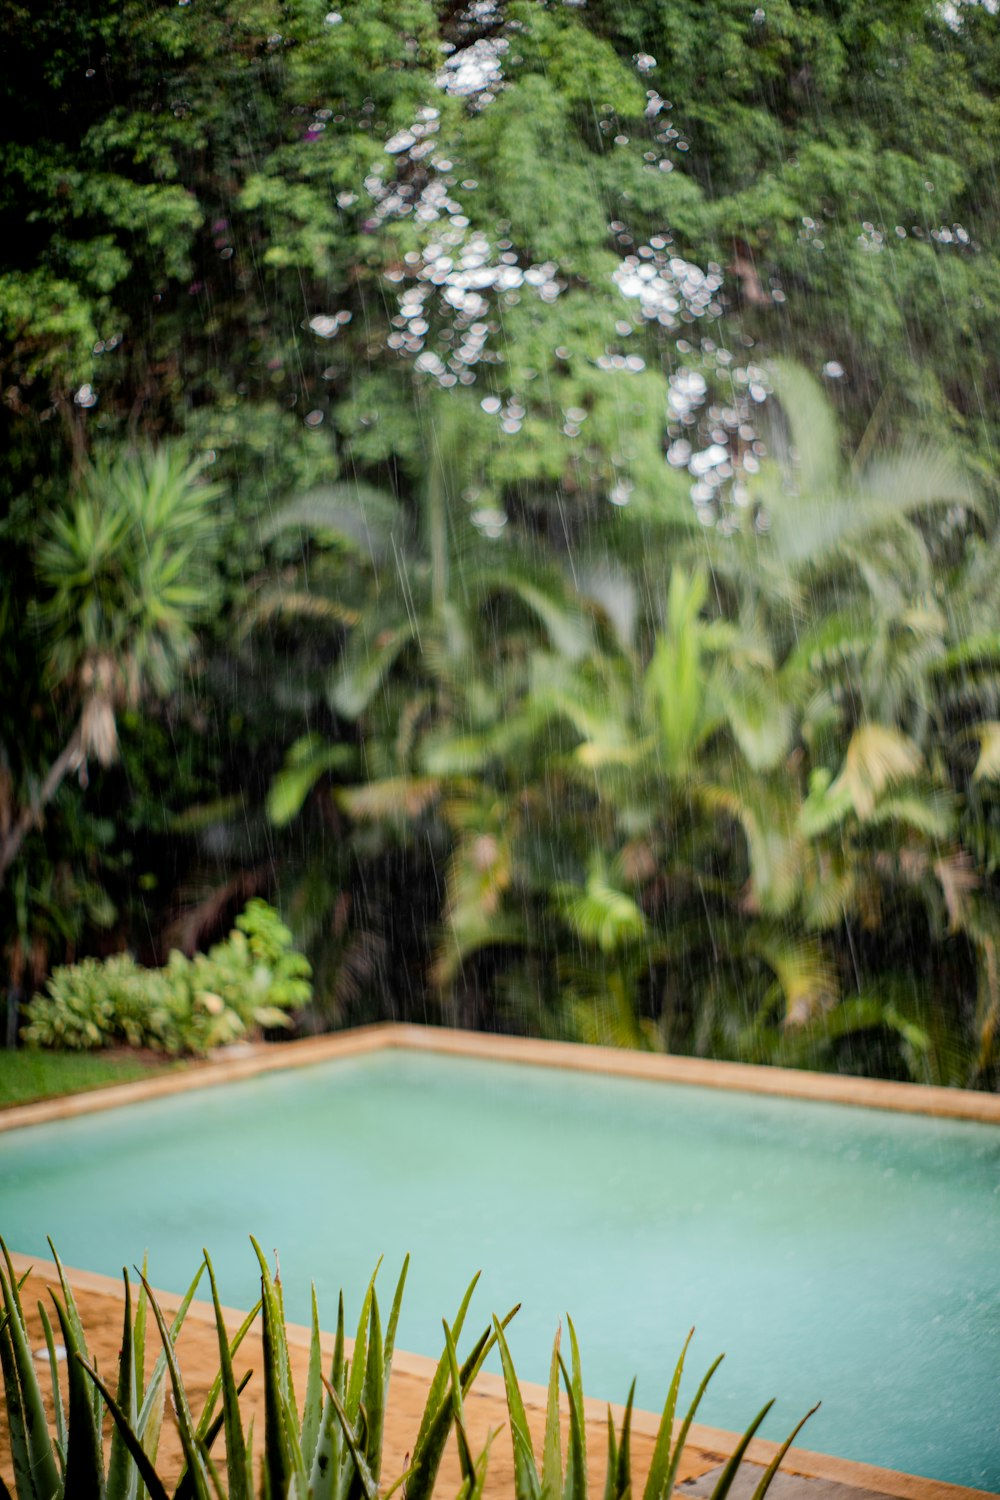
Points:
(185, 1485)
(151, 1411)
(312, 1411)
(436, 1421)
(40, 1456)
(398, 1484)
(440, 1381)
(151, 1435)
(326, 1458)
(390, 1332)
(351, 1483)
(527, 1485)
(367, 1479)
(57, 1400)
(623, 1468)
(118, 1464)
(482, 1464)
(278, 1463)
(207, 1418)
(373, 1391)
(213, 1474)
(725, 1479)
(69, 1301)
(465, 1458)
(182, 1412)
(20, 1460)
(235, 1452)
(612, 1468)
(248, 1481)
(15, 1285)
(682, 1436)
(130, 1438)
(359, 1359)
(84, 1454)
(552, 1443)
(660, 1480)
(775, 1464)
(285, 1366)
(575, 1487)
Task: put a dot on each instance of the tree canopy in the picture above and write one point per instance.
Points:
(593, 621)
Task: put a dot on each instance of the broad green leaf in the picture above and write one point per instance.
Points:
(307, 761)
(988, 765)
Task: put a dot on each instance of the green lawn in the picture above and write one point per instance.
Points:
(27, 1075)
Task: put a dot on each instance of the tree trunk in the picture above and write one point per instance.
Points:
(29, 817)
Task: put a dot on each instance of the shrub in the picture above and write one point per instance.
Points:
(333, 1449)
(254, 978)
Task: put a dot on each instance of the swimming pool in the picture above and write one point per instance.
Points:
(840, 1253)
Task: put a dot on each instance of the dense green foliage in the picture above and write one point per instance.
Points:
(591, 622)
(252, 980)
(333, 1447)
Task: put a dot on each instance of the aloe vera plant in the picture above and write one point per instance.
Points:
(332, 1449)
(570, 1483)
(70, 1460)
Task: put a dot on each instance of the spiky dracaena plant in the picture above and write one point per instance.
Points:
(126, 569)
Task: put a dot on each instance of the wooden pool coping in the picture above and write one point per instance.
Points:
(697, 1072)
(789, 1083)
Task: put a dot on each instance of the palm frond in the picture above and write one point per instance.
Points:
(358, 514)
(599, 913)
(988, 764)
(768, 818)
(397, 797)
(805, 972)
(878, 756)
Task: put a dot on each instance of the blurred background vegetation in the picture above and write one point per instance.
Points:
(514, 485)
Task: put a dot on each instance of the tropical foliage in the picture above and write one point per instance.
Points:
(252, 980)
(332, 1447)
(590, 624)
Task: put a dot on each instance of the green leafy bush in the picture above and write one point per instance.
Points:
(254, 978)
(333, 1449)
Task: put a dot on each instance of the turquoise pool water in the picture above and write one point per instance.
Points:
(843, 1254)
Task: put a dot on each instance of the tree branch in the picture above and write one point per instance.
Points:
(30, 817)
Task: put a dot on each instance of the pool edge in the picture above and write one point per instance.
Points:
(747, 1078)
(798, 1462)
